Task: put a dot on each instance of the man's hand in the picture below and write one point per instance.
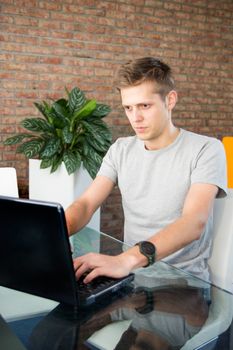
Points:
(101, 265)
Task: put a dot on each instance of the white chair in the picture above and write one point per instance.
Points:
(218, 321)
(221, 266)
(8, 182)
(221, 260)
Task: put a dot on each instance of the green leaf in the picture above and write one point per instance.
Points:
(101, 110)
(95, 156)
(16, 139)
(86, 110)
(44, 109)
(37, 125)
(98, 132)
(92, 162)
(31, 148)
(90, 166)
(61, 112)
(72, 161)
(85, 147)
(76, 100)
(105, 133)
(57, 121)
(56, 162)
(78, 157)
(93, 131)
(63, 102)
(95, 144)
(46, 163)
(52, 147)
(67, 135)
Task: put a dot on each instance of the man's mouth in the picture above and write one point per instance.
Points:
(140, 129)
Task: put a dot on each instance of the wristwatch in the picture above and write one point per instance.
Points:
(149, 305)
(148, 249)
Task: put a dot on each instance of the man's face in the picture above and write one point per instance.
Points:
(148, 114)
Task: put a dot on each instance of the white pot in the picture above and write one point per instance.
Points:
(59, 186)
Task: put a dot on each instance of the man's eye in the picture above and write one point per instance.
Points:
(127, 108)
(145, 106)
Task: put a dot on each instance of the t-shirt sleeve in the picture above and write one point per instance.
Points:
(210, 166)
(108, 167)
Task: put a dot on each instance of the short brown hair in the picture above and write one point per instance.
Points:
(135, 72)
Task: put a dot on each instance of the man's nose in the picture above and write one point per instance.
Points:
(137, 115)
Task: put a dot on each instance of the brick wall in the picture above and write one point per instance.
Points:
(46, 45)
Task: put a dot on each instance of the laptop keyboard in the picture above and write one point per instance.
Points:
(100, 285)
(96, 286)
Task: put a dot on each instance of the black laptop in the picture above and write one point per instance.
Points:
(36, 257)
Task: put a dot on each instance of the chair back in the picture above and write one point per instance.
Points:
(8, 182)
(228, 145)
(221, 260)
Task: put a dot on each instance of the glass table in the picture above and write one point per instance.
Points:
(163, 308)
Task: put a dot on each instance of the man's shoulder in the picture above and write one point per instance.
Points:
(126, 142)
(199, 139)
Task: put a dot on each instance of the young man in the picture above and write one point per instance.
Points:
(168, 178)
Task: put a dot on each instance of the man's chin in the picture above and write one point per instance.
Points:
(142, 137)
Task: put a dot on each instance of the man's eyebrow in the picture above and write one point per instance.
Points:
(137, 104)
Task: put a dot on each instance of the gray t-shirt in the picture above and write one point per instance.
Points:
(154, 185)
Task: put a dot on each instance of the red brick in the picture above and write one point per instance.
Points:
(26, 95)
(61, 16)
(26, 58)
(14, 29)
(47, 24)
(48, 5)
(26, 21)
(126, 8)
(6, 94)
(13, 84)
(6, 19)
(51, 60)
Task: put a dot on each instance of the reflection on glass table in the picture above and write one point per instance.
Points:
(159, 313)
(164, 308)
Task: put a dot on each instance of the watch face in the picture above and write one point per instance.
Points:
(148, 247)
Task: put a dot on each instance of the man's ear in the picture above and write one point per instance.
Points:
(171, 99)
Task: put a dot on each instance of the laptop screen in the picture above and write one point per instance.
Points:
(35, 254)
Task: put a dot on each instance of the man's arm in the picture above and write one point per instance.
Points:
(186, 229)
(190, 225)
(79, 213)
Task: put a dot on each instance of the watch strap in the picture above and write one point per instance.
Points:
(150, 256)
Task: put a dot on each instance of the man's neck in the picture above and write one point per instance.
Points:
(163, 141)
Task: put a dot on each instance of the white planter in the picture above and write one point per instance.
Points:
(59, 186)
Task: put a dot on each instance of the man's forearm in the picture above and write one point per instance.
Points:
(177, 235)
(77, 216)
(79, 213)
(169, 240)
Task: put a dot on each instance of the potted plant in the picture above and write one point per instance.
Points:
(65, 146)
(70, 130)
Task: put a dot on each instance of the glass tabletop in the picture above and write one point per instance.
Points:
(163, 308)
